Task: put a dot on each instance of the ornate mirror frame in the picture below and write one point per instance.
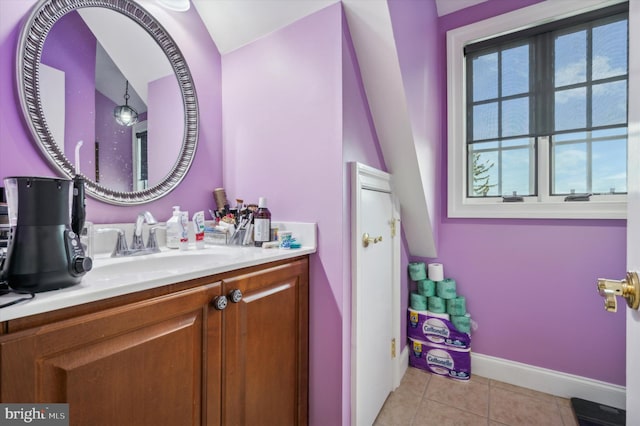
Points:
(43, 16)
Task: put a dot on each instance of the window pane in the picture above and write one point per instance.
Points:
(570, 137)
(485, 77)
(609, 50)
(609, 102)
(516, 172)
(569, 168)
(570, 58)
(483, 176)
(614, 133)
(485, 121)
(518, 143)
(515, 70)
(570, 109)
(515, 117)
(610, 166)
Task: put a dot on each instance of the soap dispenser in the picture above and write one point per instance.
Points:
(174, 229)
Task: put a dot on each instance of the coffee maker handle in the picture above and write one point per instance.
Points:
(78, 212)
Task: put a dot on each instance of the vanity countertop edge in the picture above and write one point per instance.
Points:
(92, 289)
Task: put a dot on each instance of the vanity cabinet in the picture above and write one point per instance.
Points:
(174, 359)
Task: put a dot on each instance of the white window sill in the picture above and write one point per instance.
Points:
(496, 208)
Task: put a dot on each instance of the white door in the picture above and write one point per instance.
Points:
(374, 313)
(373, 297)
(633, 214)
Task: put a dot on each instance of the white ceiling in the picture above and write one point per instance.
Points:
(234, 23)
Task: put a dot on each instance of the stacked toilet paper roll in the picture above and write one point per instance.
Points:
(417, 271)
(418, 302)
(435, 271)
(462, 322)
(446, 288)
(436, 304)
(427, 288)
(438, 295)
(457, 306)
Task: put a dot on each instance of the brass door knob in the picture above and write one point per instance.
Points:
(629, 288)
(366, 239)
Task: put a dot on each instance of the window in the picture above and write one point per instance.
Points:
(538, 114)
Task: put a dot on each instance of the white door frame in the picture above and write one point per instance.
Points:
(633, 222)
(364, 177)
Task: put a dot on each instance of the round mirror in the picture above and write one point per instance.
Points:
(108, 95)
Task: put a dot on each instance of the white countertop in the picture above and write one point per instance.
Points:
(112, 277)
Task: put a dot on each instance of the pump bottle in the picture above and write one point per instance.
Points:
(174, 229)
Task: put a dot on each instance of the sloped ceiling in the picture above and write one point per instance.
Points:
(234, 23)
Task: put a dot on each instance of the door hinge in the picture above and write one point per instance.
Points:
(393, 348)
(392, 223)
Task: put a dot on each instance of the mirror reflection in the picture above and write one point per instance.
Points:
(95, 60)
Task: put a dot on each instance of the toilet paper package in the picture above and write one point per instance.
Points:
(454, 363)
(435, 328)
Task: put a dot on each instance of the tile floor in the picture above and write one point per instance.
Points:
(425, 399)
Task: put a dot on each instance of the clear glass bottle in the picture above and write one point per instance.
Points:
(262, 223)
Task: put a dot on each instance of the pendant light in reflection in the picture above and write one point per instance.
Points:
(124, 114)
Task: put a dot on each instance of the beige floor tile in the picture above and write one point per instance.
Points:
(415, 379)
(479, 379)
(472, 396)
(427, 399)
(432, 413)
(397, 411)
(521, 390)
(515, 409)
(402, 404)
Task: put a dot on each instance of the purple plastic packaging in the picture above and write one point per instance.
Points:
(431, 329)
(447, 361)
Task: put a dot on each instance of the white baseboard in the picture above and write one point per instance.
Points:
(401, 365)
(548, 381)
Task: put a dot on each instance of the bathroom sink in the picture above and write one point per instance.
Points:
(166, 263)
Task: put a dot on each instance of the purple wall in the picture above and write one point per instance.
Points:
(165, 110)
(71, 48)
(529, 284)
(295, 116)
(20, 156)
(282, 100)
(115, 162)
(360, 144)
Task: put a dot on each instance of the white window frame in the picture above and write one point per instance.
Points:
(542, 206)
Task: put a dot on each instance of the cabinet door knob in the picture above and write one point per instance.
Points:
(235, 295)
(220, 302)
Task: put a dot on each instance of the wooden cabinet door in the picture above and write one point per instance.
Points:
(139, 364)
(265, 340)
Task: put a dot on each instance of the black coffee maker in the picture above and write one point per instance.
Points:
(46, 217)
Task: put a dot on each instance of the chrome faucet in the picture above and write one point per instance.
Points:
(121, 248)
(137, 243)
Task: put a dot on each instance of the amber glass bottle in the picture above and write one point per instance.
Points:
(261, 223)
